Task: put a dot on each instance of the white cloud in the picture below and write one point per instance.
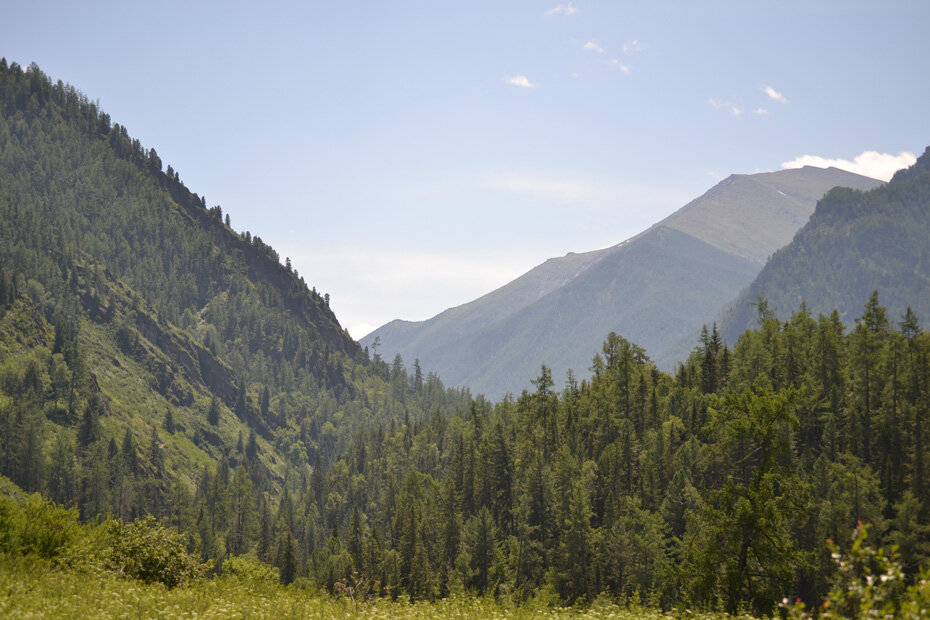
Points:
(726, 105)
(594, 46)
(520, 80)
(619, 65)
(774, 95)
(869, 163)
(562, 9)
(761, 111)
(633, 46)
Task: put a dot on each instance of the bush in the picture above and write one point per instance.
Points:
(38, 527)
(48, 528)
(9, 525)
(870, 582)
(250, 568)
(147, 551)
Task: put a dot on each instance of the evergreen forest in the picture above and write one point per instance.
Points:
(178, 406)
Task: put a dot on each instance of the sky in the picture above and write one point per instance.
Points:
(410, 156)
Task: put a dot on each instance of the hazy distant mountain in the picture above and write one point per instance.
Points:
(854, 243)
(654, 289)
(468, 318)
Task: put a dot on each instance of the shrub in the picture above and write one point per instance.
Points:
(250, 568)
(870, 582)
(147, 551)
(37, 527)
(10, 518)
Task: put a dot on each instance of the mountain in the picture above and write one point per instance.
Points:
(164, 379)
(855, 243)
(655, 288)
(139, 332)
(497, 305)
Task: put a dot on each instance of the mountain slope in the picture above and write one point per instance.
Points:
(752, 215)
(654, 289)
(626, 292)
(469, 318)
(855, 242)
(140, 332)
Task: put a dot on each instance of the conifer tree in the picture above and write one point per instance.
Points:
(213, 413)
(169, 421)
(287, 557)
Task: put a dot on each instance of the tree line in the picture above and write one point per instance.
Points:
(718, 486)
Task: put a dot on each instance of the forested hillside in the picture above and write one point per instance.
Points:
(855, 242)
(720, 484)
(162, 368)
(148, 350)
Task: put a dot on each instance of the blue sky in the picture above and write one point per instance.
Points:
(410, 155)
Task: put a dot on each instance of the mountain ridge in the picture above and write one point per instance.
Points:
(758, 242)
(746, 217)
(854, 243)
(525, 352)
(520, 292)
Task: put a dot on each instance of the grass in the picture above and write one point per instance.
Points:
(33, 589)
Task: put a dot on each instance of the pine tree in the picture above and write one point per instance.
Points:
(89, 431)
(286, 560)
(483, 547)
(571, 574)
(251, 447)
(6, 288)
(355, 538)
(417, 376)
(61, 476)
(169, 421)
(213, 413)
(243, 512)
(130, 459)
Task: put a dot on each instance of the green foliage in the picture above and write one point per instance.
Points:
(38, 527)
(869, 582)
(30, 590)
(147, 551)
(127, 304)
(47, 528)
(250, 569)
(742, 548)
